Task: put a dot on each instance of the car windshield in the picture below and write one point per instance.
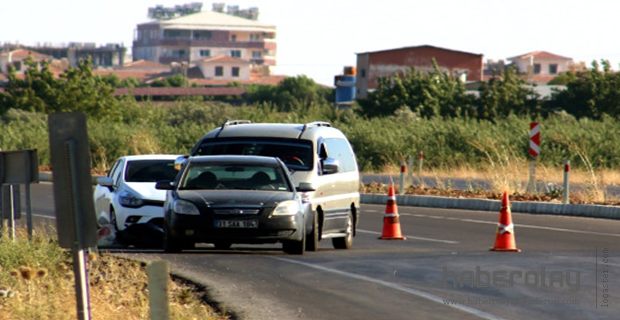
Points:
(203, 176)
(296, 154)
(150, 170)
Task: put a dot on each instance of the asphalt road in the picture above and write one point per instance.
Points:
(569, 269)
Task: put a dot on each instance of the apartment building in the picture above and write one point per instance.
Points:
(386, 63)
(205, 35)
(541, 66)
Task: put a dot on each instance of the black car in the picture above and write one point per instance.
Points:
(234, 199)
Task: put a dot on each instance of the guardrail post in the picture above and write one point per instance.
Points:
(566, 182)
(420, 162)
(158, 290)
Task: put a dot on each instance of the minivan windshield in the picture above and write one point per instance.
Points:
(296, 154)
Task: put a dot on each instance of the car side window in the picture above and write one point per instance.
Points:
(115, 174)
(341, 150)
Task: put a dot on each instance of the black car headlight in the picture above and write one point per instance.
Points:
(185, 207)
(287, 208)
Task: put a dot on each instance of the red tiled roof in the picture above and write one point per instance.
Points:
(181, 91)
(266, 80)
(144, 65)
(541, 55)
(21, 54)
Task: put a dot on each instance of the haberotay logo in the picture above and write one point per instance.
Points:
(541, 278)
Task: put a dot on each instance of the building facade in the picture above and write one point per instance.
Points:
(386, 63)
(203, 35)
(541, 66)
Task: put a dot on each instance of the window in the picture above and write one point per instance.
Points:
(219, 71)
(254, 37)
(233, 38)
(202, 35)
(235, 53)
(553, 68)
(363, 73)
(235, 71)
(537, 68)
(257, 54)
(176, 34)
(341, 150)
(295, 153)
(205, 53)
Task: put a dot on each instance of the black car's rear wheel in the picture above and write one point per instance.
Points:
(345, 242)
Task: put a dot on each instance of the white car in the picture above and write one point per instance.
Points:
(127, 195)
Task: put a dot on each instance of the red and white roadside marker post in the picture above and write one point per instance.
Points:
(401, 184)
(565, 199)
(410, 172)
(534, 151)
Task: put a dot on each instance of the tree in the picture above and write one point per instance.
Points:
(428, 94)
(591, 93)
(505, 95)
(293, 93)
(77, 89)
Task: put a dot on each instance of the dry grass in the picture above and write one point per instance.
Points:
(512, 176)
(36, 287)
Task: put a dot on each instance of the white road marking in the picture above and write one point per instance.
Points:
(412, 237)
(516, 225)
(395, 286)
(43, 216)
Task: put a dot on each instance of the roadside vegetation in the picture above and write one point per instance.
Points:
(431, 112)
(36, 282)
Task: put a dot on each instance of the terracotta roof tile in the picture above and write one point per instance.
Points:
(180, 91)
(540, 55)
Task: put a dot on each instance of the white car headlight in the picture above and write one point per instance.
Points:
(130, 199)
(287, 208)
(185, 207)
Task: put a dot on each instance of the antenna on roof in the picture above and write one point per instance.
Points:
(160, 12)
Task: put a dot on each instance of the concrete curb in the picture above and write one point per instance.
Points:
(577, 210)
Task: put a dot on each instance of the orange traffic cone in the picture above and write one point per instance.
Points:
(391, 222)
(505, 237)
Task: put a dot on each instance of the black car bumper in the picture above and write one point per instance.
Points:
(256, 229)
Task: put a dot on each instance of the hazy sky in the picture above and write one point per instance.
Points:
(317, 38)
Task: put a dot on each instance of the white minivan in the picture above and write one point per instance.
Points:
(319, 158)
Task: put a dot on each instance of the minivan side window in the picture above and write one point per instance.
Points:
(341, 150)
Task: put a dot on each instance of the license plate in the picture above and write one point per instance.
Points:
(236, 223)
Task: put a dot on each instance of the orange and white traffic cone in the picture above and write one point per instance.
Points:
(505, 237)
(391, 221)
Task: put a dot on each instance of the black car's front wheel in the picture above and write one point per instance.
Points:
(312, 238)
(345, 242)
(174, 244)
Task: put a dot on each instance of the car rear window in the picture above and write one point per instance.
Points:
(150, 170)
(296, 154)
(209, 176)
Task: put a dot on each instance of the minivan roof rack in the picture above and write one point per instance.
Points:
(231, 123)
(313, 124)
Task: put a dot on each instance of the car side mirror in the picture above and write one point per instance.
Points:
(305, 187)
(164, 185)
(105, 182)
(179, 162)
(330, 165)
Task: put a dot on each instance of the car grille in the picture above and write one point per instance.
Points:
(235, 211)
